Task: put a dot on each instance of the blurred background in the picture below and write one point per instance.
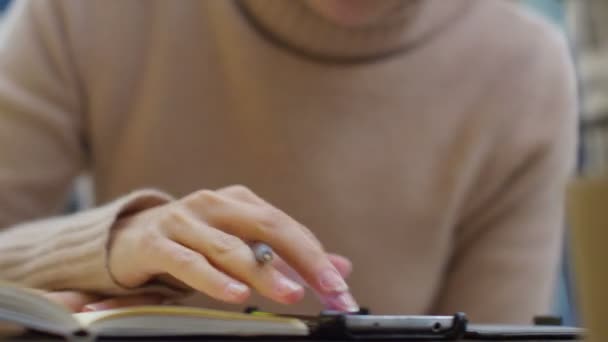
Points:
(585, 23)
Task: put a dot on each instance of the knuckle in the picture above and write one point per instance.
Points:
(150, 242)
(173, 215)
(240, 192)
(239, 189)
(203, 198)
(174, 221)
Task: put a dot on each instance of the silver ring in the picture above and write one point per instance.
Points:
(262, 252)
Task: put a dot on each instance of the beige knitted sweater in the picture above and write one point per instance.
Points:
(432, 151)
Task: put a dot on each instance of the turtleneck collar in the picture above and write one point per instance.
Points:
(291, 24)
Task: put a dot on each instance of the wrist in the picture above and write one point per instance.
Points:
(120, 244)
(124, 255)
(123, 252)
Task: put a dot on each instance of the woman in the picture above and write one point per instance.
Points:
(426, 141)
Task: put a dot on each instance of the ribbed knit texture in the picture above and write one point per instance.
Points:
(66, 253)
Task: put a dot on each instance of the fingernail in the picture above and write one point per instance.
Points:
(331, 281)
(236, 290)
(94, 307)
(286, 287)
(342, 302)
(348, 302)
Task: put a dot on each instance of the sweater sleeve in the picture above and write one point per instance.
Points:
(507, 246)
(41, 151)
(70, 252)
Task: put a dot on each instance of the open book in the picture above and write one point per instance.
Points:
(23, 308)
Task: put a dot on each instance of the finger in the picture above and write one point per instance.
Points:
(194, 270)
(331, 301)
(282, 233)
(337, 301)
(72, 300)
(342, 264)
(121, 302)
(240, 193)
(231, 255)
(244, 194)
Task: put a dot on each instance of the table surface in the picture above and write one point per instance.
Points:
(474, 333)
(38, 338)
(194, 339)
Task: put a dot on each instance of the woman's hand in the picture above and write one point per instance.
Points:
(77, 301)
(82, 302)
(202, 241)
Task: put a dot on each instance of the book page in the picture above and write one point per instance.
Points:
(30, 309)
(175, 320)
(88, 318)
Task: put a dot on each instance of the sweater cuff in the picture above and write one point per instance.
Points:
(70, 253)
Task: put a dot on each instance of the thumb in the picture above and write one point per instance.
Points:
(125, 301)
(72, 300)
